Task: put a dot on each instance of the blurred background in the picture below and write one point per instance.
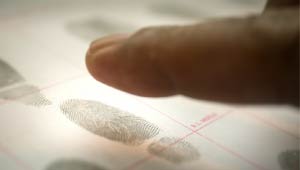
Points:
(65, 27)
(92, 18)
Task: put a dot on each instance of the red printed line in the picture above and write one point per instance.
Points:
(217, 118)
(273, 125)
(149, 157)
(236, 154)
(203, 120)
(9, 153)
(138, 163)
(164, 114)
(43, 88)
(12, 156)
(142, 161)
(226, 149)
(63, 81)
(182, 124)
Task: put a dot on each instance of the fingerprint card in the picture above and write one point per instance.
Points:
(55, 116)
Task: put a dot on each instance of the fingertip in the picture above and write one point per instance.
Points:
(106, 41)
(131, 73)
(102, 64)
(100, 47)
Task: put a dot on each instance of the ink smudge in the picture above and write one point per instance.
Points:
(109, 122)
(73, 164)
(171, 150)
(289, 160)
(13, 87)
(8, 76)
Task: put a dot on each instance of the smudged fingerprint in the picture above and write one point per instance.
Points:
(289, 160)
(73, 164)
(8, 76)
(26, 94)
(94, 27)
(14, 87)
(171, 150)
(109, 122)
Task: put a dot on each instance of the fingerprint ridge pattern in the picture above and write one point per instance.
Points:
(109, 122)
(170, 149)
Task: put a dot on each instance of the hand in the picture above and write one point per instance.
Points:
(253, 59)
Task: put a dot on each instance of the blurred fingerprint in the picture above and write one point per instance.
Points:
(109, 122)
(179, 9)
(174, 150)
(92, 28)
(73, 164)
(289, 160)
(14, 87)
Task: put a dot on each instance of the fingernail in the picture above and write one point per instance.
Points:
(101, 59)
(107, 41)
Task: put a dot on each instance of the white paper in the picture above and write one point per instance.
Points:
(49, 99)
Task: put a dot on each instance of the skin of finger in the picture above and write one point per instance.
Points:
(235, 60)
(106, 41)
(281, 4)
(225, 67)
(109, 66)
(213, 66)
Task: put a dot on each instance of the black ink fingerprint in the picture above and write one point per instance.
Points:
(109, 122)
(14, 87)
(289, 160)
(92, 28)
(73, 164)
(172, 150)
